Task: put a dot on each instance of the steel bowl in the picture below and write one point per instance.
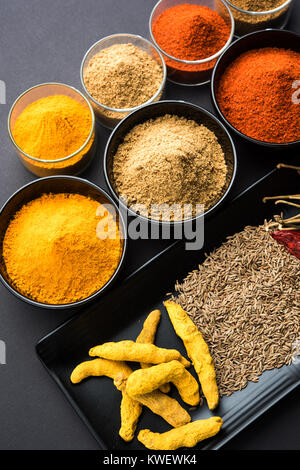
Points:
(179, 108)
(55, 184)
(260, 39)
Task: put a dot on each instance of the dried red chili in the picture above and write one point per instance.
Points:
(287, 232)
(290, 239)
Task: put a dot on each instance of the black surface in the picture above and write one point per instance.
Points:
(42, 41)
(96, 399)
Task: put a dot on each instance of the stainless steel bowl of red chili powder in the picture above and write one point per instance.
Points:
(191, 36)
(256, 87)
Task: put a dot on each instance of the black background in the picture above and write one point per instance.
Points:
(43, 41)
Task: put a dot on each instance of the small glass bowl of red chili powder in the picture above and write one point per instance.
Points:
(191, 37)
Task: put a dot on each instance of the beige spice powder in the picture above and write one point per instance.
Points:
(257, 5)
(169, 160)
(123, 76)
(244, 21)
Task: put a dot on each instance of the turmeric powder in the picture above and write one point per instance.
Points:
(52, 250)
(53, 128)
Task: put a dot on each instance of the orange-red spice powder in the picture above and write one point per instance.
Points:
(256, 93)
(190, 32)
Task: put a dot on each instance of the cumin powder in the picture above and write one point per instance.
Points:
(169, 160)
(123, 76)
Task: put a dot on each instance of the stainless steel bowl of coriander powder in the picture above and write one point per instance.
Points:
(170, 162)
(121, 73)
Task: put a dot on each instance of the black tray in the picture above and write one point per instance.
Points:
(120, 314)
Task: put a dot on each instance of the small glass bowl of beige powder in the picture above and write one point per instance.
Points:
(119, 74)
(255, 15)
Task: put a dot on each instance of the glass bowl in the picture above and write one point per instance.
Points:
(152, 111)
(73, 164)
(250, 21)
(109, 117)
(55, 185)
(266, 38)
(191, 72)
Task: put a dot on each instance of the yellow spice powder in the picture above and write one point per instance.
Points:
(55, 250)
(53, 127)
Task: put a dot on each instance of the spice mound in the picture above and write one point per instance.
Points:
(123, 76)
(169, 161)
(246, 22)
(245, 301)
(52, 253)
(190, 32)
(255, 94)
(52, 128)
(257, 5)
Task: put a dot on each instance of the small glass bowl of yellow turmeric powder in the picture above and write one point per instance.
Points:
(52, 127)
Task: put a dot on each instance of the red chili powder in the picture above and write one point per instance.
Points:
(190, 32)
(256, 92)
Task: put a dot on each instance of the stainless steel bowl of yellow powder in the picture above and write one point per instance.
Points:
(62, 242)
(52, 127)
(121, 73)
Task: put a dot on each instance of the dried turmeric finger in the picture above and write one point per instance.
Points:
(185, 436)
(165, 388)
(159, 403)
(147, 335)
(143, 381)
(130, 413)
(99, 367)
(197, 351)
(131, 351)
(130, 409)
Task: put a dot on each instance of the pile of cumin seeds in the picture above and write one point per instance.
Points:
(245, 300)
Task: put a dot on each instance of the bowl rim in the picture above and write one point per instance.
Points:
(213, 86)
(177, 222)
(107, 284)
(68, 157)
(260, 13)
(124, 110)
(193, 62)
